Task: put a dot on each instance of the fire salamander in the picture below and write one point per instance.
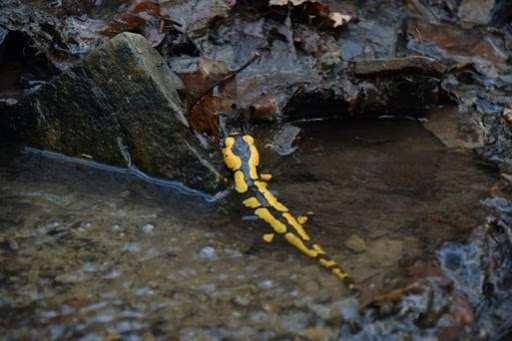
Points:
(242, 158)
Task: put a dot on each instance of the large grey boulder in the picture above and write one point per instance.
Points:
(120, 105)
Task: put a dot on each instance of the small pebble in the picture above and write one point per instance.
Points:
(242, 301)
(13, 245)
(265, 284)
(208, 253)
(148, 228)
(131, 247)
(233, 253)
(113, 274)
(10, 101)
(356, 244)
(124, 194)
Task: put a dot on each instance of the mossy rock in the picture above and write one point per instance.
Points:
(122, 96)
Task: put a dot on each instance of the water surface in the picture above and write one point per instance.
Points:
(91, 254)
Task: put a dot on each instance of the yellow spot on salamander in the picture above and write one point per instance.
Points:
(254, 159)
(265, 214)
(295, 241)
(229, 142)
(268, 237)
(251, 202)
(327, 263)
(240, 184)
(265, 177)
(319, 249)
(249, 139)
(232, 161)
(272, 200)
(298, 227)
(302, 219)
(340, 274)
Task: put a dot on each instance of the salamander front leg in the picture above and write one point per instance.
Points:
(265, 177)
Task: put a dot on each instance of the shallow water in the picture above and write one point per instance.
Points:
(89, 254)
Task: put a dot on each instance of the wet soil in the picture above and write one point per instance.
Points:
(86, 253)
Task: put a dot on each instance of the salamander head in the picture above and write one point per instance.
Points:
(238, 151)
(242, 158)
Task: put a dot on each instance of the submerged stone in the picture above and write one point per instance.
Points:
(355, 243)
(456, 129)
(120, 106)
(208, 253)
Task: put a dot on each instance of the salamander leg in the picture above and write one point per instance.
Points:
(302, 219)
(268, 237)
(265, 177)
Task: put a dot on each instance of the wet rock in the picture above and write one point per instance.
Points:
(475, 12)
(457, 129)
(265, 284)
(507, 114)
(148, 228)
(208, 253)
(451, 42)
(402, 66)
(284, 140)
(131, 247)
(62, 40)
(355, 243)
(120, 106)
(3, 35)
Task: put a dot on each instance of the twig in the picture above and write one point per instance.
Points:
(421, 41)
(225, 78)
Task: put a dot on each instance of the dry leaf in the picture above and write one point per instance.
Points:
(204, 107)
(316, 12)
(193, 17)
(132, 17)
(204, 116)
(340, 19)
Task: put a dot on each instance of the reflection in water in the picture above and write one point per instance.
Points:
(88, 253)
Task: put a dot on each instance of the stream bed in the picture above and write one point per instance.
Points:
(88, 254)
